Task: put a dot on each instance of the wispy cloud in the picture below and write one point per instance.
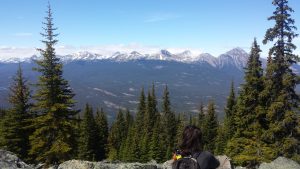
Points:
(16, 52)
(159, 17)
(22, 34)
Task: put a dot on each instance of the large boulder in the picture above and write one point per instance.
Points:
(9, 160)
(224, 163)
(280, 163)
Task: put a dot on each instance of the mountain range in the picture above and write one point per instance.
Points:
(236, 56)
(115, 81)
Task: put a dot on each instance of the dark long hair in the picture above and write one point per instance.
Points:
(191, 140)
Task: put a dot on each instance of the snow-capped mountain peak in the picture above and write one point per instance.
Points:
(236, 57)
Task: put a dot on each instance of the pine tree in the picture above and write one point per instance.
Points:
(246, 148)
(181, 123)
(201, 116)
(52, 140)
(88, 137)
(168, 125)
(128, 147)
(283, 132)
(139, 125)
(102, 129)
(220, 140)
(127, 137)
(150, 119)
(16, 121)
(128, 121)
(155, 147)
(210, 128)
(116, 137)
(229, 127)
(77, 137)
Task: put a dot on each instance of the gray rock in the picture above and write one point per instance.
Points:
(77, 164)
(224, 162)
(9, 160)
(240, 167)
(280, 163)
(167, 164)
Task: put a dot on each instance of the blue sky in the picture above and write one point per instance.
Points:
(212, 26)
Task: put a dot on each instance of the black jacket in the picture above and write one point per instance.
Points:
(206, 160)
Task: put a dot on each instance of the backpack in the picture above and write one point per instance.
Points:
(189, 162)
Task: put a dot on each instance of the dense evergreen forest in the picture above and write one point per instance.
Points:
(261, 120)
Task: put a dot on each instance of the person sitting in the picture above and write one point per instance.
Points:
(191, 154)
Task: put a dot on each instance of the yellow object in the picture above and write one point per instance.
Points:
(178, 157)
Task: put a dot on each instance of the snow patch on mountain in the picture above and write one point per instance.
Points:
(237, 57)
(105, 92)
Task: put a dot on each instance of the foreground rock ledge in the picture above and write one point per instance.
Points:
(9, 160)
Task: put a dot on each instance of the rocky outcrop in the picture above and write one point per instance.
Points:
(280, 163)
(9, 160)
(77, 164)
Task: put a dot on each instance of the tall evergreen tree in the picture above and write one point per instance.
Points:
(102, 126)
(52, 140)
(16, 121)
(283, 131)
(157, 147)
(210, 128)
(150, 119)
(181, 123)
(220, 140)
(168, 125)
(139, 125)
(128, 121)
(124, 148)
(246, 147)
(229, 127)
(129, 146)
(88, 137)
(201, 116)
(116, 137)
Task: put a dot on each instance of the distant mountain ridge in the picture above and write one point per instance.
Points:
(237, 57)
(115, 81)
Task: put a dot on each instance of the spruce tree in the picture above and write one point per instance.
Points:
(168, 125)
(151, 116)
(16, 121)
(124, 148)
(89, 136)
(283, 132)
(128, 147)
(156, 145)
(102, 129)
(246, 148)
(229, 127)
(181, 123)
(201, 116)
(128, 121)
(220, 140)
(210, 128)
(116, 137)
(139, 124)
(52, 139)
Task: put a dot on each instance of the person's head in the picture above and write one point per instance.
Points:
(191, 140)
